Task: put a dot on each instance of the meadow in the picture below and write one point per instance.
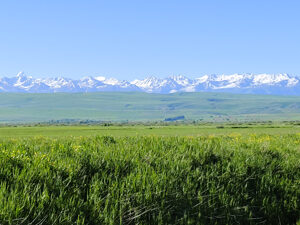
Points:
(150, 175)
(171, 129)
(134, 106)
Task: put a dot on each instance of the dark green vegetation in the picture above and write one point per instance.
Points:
(229, 179)
(156, 130)
(25, 108)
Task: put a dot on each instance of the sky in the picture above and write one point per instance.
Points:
(135, 39)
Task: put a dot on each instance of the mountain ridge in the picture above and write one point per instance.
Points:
(276, 84)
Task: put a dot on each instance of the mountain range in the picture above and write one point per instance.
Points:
(276, 84)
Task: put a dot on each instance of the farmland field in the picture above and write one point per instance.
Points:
(186, 174)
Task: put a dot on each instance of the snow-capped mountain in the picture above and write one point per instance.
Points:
(237, 83)
(282, 84)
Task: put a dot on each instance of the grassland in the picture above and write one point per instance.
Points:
(216, 107)
(150, 175)
(155, 130)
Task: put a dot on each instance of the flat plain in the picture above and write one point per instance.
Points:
(142, 130)
(176, 174)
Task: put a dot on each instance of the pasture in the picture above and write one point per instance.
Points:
(135, 106)
(141, 130)
(150, 174)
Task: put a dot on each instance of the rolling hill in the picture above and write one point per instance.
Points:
(138, 106)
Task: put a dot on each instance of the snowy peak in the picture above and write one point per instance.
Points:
(282, 84)
(168, 85)
(149, 82)
(20, 74)
(181, 80)
(248, 81)
(273, 79)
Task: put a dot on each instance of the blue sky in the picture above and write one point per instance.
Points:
(135, 39)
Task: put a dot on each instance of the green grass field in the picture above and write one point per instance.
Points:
(172, 173)
(229, 179)
(215, 107)
(188, 174)
(141, 130)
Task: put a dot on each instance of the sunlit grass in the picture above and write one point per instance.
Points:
(227, 179)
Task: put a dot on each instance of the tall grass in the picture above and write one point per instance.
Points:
(230, 179)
